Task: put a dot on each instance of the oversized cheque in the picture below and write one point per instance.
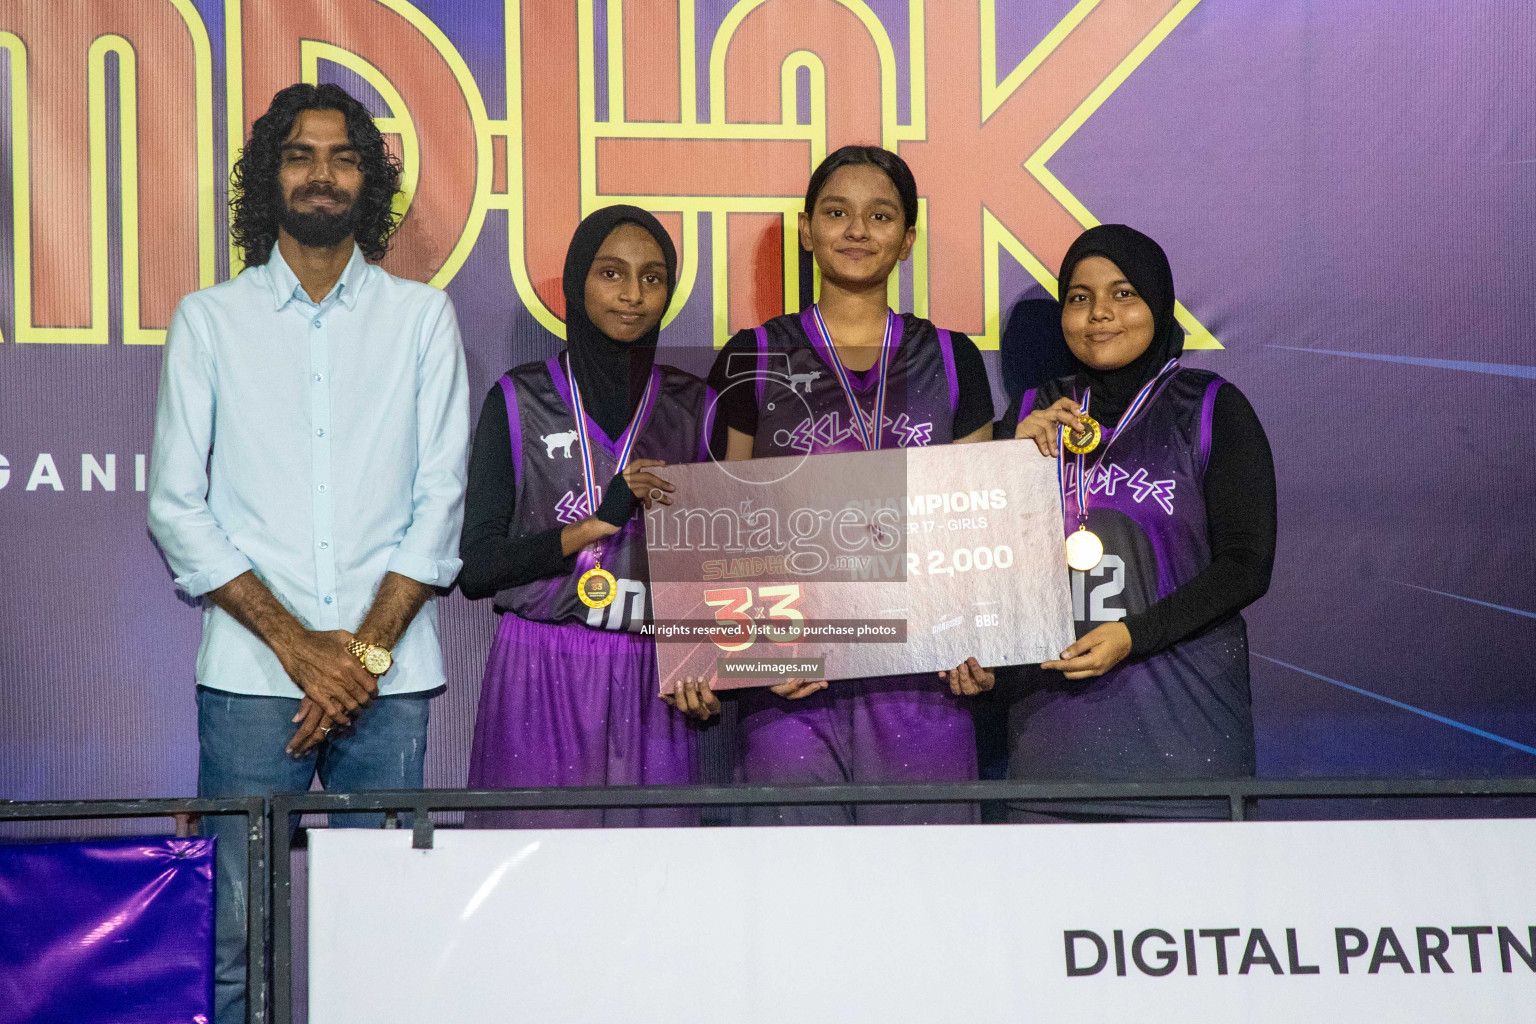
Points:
(870, 563)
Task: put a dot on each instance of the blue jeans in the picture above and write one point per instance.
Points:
(240, 753)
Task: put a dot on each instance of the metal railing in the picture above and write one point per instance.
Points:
(1238, 793)
(270, 824)
(184, 811)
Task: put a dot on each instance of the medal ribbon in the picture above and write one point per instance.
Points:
(1138, 405)
(869, 432)
(626, 440)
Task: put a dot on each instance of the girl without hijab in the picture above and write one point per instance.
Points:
(1181, 492)
(566, 453)
(841, 355)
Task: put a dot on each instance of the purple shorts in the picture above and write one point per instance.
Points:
(883, 729)
(564, 705)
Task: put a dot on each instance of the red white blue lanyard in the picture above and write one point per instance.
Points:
(869, 429)
(626, 440)
(1138, 405)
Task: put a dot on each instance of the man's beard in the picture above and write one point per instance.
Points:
(320, 229)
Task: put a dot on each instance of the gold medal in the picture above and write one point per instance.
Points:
(597, 587)
(1084, 549)
(1081, 442)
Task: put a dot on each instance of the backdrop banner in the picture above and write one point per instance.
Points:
(1343, 188)
(1274, 922)
(112, 931)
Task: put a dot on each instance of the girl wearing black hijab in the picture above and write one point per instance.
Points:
(1172, 536)
(566, 453)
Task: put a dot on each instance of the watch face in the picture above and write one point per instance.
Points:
(377, 660)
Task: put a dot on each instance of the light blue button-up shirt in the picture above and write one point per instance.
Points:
(319, 445)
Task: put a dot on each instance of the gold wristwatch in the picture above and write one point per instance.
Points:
(376, 660)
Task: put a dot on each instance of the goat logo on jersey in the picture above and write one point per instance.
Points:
(797, 379)
(562, 440)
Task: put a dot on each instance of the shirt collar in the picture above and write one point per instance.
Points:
(286, 287)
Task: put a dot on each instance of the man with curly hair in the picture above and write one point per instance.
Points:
(307, 484)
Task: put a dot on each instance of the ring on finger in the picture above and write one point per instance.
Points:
(656, 494)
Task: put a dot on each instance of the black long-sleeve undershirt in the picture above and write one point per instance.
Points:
(1240, 529)
(492, 560)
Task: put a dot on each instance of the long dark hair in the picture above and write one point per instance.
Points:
(253, 192)
(894, 167)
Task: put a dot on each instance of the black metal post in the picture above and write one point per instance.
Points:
(281, 908)
(257, 920)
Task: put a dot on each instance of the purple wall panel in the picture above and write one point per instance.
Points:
(113, 931)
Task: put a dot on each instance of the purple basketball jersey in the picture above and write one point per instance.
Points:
(885, 729)
(1183, 712)
(802, 409)
(546, 454)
